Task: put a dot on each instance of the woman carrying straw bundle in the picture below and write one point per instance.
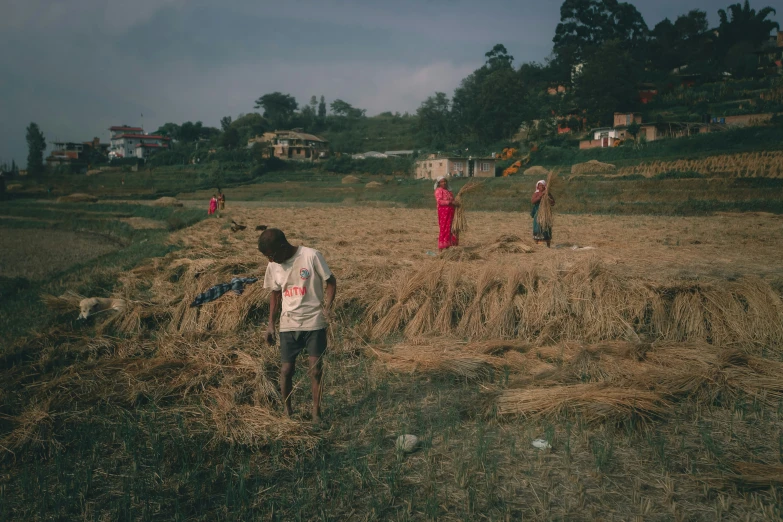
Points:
(446, 207)
(542, 228)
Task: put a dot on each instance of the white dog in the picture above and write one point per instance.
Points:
(94, 305)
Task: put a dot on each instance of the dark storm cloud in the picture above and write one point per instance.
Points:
(78, 67)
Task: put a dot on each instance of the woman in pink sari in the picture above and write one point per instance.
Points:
(446, 207)
(213, 204)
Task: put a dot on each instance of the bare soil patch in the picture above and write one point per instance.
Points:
(34, 254)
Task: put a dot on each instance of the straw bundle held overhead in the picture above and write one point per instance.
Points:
(460, 224)
(544, 216)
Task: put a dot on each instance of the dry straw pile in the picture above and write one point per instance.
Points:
(584, 301)
(536, 171)
(767, 164)
(77, 198)
(592, 167)
(167, 202)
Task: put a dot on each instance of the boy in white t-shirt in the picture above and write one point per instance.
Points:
(296, 277)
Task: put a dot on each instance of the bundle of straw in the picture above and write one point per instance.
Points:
(460, 224)
(545, 217)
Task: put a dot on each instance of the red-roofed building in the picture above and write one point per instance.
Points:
(123, 129)
(143, 150)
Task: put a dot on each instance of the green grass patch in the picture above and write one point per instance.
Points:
(21, 310)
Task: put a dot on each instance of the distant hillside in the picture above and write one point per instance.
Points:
(379, 133)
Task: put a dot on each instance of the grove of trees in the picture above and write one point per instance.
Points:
(603, 50)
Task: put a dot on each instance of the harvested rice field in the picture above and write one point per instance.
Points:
(634, 371)
(37, 253)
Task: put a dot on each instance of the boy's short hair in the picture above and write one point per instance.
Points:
(270, 239)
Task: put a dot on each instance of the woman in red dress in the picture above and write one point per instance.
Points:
(446, 207)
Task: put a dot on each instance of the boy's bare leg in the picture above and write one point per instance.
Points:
(316, 372)
(286, 383)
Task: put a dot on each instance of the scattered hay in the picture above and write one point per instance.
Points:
(254, 426)
(93, 172)
(536, 171)
(351, 179)
(595, 402)
(412, 358)
(374, 184)
(77, 198)
(757, 476)
(458, 254)
(33, 428)
(64, 304)
(167, 202)
(592, 167)
(13, 187)
(509, 244)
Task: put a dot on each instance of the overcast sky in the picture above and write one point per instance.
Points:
(76, 67)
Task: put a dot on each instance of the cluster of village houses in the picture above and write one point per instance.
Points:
(295, 145)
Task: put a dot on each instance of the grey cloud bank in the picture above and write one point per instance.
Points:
(78, 67)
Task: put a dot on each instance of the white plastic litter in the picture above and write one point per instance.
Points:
(541, 444)
(407, 443)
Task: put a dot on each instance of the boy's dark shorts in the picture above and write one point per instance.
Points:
(292, 344)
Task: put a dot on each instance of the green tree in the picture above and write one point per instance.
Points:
(190, 132)
(634, 129)
(684, 42)
(487, 104)
(14, 167)
(322, 109)
(608, 84)
(307, 118)
(250, 125)
(435, 121)
(36, 144)
(278, 108)
(742, 30)
(170, 130)
(585, 25)
(344, 109)
(498, 57)
(225, 123)
(230, 139)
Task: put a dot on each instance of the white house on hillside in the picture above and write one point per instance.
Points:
(129, 142)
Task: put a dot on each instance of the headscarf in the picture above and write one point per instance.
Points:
(437, 182)
(540, 182)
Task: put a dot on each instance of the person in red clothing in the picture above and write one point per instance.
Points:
(213, 205)
(446, 207)
(540, 234)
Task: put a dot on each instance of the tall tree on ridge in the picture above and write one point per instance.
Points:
(742, 30)
(585, 25)
(36, 144)
(278, 108)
